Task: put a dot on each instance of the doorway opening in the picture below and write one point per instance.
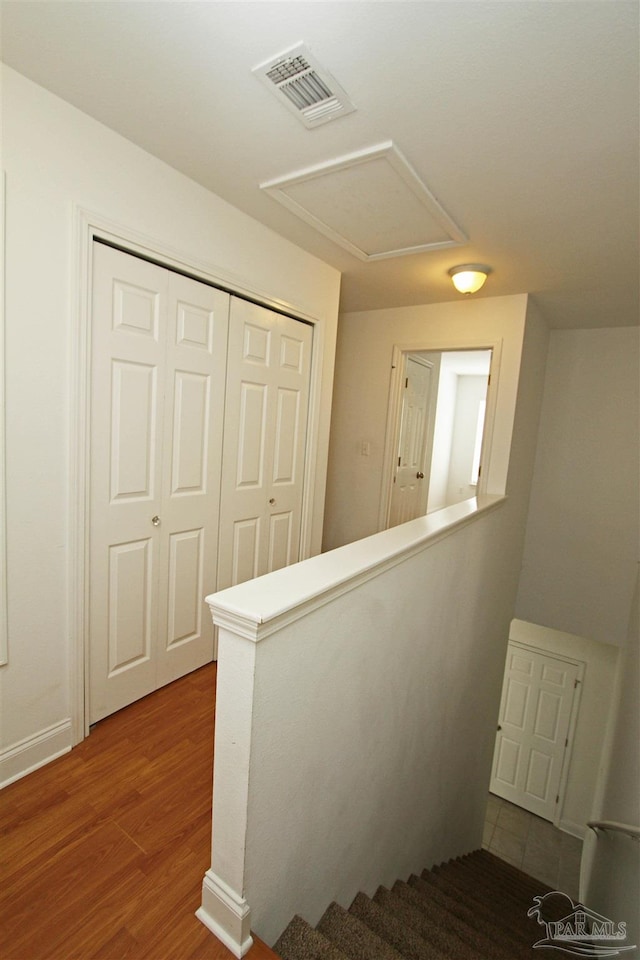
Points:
(437, 428)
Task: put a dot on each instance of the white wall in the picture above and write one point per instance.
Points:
(57, 159)
(596, 697)
(442, 437)
(361, 395)
(470, 391)
(581, 547)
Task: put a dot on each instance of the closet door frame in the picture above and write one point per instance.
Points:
(87, 228)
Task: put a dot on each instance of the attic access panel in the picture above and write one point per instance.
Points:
(371, 202)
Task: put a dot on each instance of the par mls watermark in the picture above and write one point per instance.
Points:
(575, 929)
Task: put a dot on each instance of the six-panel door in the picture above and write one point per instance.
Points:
(535, 713)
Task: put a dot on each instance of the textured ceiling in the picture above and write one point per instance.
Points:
(521, 116)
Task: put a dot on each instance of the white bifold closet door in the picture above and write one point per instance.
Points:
(264, 442)
(159, 343)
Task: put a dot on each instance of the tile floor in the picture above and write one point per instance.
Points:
(532, 844)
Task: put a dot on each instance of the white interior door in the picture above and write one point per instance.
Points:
(269, 364)
(157, 382)
(410, 484)
(533, 729)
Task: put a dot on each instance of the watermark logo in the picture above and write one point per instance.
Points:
(575, 929)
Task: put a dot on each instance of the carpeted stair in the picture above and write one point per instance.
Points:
(472, 908)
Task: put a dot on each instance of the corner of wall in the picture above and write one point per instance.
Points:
(533, 360)
(609, 879)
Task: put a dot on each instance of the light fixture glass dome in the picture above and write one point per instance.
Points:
(469, 277)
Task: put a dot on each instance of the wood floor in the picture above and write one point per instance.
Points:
(104, 850)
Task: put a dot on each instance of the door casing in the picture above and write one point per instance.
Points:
(87, 227)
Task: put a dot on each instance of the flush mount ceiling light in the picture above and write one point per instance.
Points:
(469, 277)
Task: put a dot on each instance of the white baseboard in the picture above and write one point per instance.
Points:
(226, 914)
(35, 751)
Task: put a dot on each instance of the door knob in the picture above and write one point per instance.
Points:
(499, 727)
(420, 475)
(272, 501)
(155, 521)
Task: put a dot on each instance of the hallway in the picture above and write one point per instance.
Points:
(104, 849)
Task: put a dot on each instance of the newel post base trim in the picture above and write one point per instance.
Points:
(225, 914)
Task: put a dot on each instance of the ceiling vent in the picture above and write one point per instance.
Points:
(304, 87)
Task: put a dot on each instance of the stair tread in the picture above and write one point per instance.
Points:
(486, 884)
(508, 870)
(405, 940)
(485, 856)
(471, 908)
(500, 872)
(445, 940)
(485, 888)
(356, 939)
(300, 941)
(485, 898)
(483, 930)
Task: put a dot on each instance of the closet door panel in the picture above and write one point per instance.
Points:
(191, 413)
(128, 368)
(281, 531)
(132, 426)
(130, 614)
(186, 568)
(251, 440)
(245, 549)
(266, 408)
(196, 348)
